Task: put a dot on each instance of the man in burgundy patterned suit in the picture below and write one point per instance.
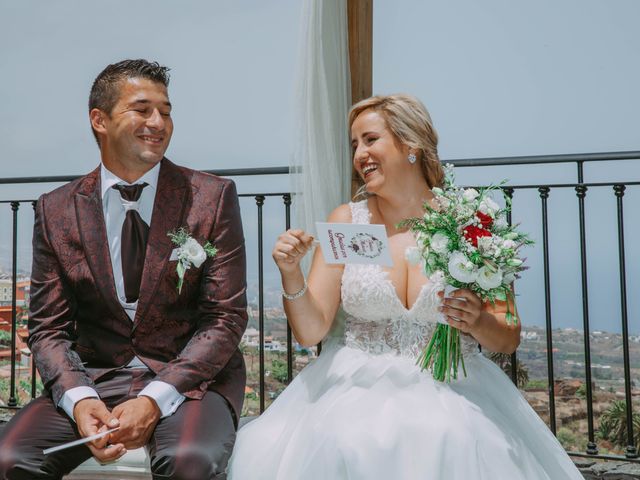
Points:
(116, 343)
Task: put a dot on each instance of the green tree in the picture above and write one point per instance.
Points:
(22, 314)
(5, 339)
(503, 360)
(566, 437)
(25, 385)
(536, 384)
(4, 389)
(613, 425)
(279, 370)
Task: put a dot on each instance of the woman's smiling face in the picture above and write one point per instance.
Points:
(378, 156)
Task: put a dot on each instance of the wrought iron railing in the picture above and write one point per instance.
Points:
(260, 198)
(544, 191)
(581, 188)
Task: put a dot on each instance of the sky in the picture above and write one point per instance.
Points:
(233, 67)
(500, 78)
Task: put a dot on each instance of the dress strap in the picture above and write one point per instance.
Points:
(360, 212)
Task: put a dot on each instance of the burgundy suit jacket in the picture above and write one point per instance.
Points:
(78, 331)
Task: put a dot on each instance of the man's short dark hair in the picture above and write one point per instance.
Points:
(106, 86)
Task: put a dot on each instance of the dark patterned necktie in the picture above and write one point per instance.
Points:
(133, 240)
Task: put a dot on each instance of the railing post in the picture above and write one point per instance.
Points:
(13, 401)
(260, 203)
(287, 212)
(544, 195)
(581, 192)
(631, 451)
(580, 165)
(33, 360)
(508, 197)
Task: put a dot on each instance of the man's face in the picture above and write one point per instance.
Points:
(137, 133)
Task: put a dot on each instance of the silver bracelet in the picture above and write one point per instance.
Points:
(298, 294)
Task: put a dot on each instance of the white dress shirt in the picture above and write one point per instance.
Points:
(164, 394)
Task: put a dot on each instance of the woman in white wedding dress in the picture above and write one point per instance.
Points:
(363, 410)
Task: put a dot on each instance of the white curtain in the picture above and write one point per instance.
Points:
(321, 163)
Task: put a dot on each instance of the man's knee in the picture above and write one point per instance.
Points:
(191, 462)
(8, 460)
(20, 461)
(11, 463)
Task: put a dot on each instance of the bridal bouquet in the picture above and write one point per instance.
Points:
(466, 242)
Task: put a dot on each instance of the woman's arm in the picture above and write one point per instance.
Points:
(310, 315)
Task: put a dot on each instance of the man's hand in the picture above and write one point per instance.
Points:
(138, 418)
(92, 416)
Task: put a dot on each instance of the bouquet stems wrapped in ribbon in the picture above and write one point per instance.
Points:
(465, 241)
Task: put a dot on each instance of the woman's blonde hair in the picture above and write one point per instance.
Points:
(409, 121)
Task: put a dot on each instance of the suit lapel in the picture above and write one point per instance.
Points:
(169, 210)
(93, 236)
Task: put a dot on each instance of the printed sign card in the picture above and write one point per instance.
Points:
(354, 243)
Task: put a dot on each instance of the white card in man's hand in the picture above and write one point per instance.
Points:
(354, 243)
(80, 441)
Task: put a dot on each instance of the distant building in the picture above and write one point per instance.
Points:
(251, 337)
(271, 345)
(22, 290)
(5, 317)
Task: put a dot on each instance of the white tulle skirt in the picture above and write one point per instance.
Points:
(352, 415)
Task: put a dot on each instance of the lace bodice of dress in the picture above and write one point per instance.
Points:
(376, 320)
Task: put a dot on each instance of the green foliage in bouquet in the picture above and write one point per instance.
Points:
(443, 354)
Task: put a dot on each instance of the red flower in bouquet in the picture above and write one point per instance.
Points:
(472, 233)
(485, 219)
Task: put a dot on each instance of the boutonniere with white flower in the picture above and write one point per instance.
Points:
(465, 242)
(188, 252)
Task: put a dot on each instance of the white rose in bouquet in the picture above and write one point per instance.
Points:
(464, 212)
(488, 206)
(439, 242)
(437, 279)
(461, 268)
(509, 244)
(444, 202)
(501, 222)
(489, 278)
(485, 245)
(470, 194)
